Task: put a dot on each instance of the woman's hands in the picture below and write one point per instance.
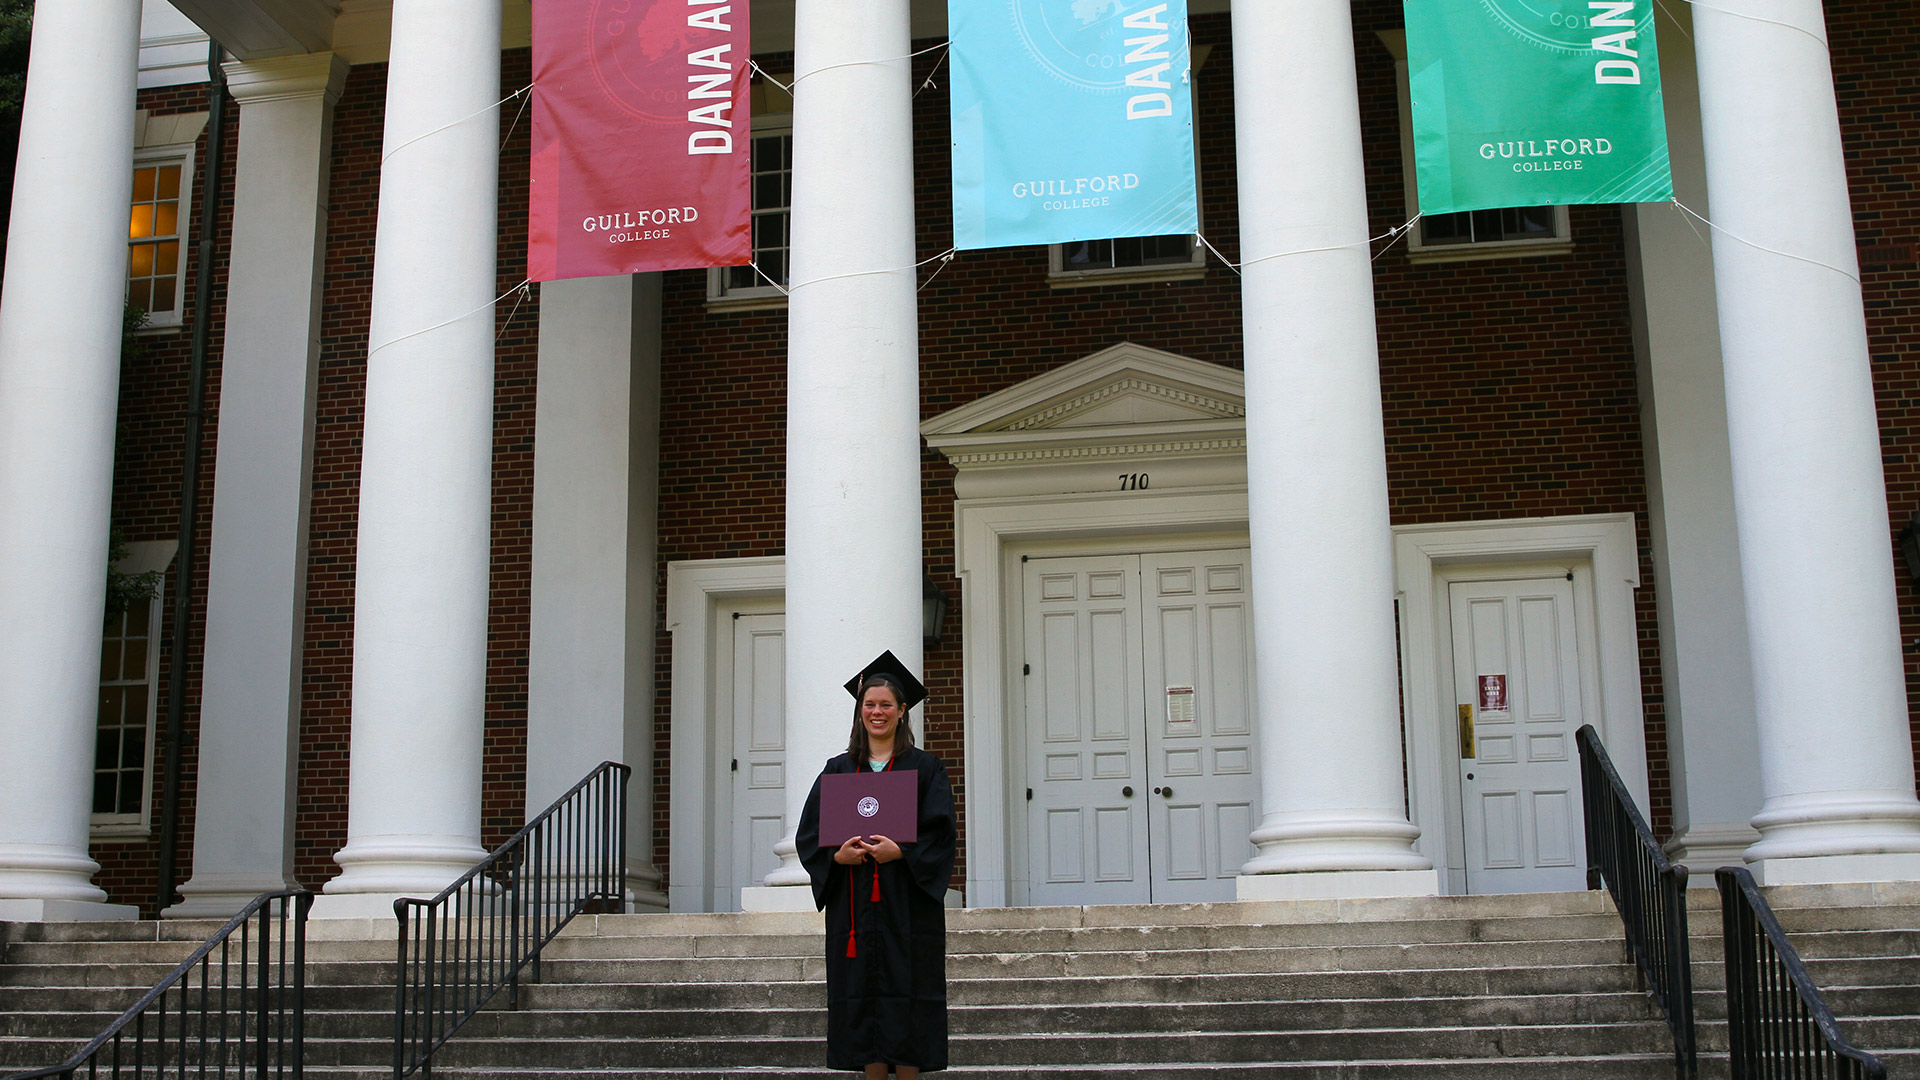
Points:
(879, 848)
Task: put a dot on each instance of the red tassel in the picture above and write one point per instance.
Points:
(851, 952)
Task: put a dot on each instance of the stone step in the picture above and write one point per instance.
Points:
(1612, 1067)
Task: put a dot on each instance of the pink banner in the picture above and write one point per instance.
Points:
(641, 137)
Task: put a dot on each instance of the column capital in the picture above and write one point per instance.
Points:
(287, 78)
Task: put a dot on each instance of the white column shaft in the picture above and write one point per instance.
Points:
(59, 383)
(1316, 458)
(853, 397)
(1706, 669)
(1836, 761)
(420, 598)
(596, 454)
(256, 579)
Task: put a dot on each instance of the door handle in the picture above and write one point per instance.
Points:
(1466, 731)
(1165, 792)
(1127, 792)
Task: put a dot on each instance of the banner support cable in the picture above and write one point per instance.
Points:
(788, 87)
(525, 283)
(1855, 278)
(388, 154)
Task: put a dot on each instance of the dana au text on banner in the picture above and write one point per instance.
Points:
(641, 137)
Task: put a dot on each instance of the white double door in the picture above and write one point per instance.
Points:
(1516, 673)
(1139, 727)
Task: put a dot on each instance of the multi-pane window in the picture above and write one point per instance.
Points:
(123, 742)
(1488, 226)
(1125, 254)
(772, 222)
(153, 240)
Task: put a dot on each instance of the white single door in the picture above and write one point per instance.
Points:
(1517, 668)
(1086, 747)
(1200, 726)
(758, 759)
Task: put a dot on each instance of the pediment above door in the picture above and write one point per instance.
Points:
(1126, 411)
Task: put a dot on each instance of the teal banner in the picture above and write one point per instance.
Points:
(1072, 120)
(1535, 103)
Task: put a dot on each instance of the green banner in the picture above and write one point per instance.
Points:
(1535, 103)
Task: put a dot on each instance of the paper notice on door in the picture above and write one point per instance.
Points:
(1493, 693)
(1180, 707)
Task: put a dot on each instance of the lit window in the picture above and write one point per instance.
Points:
(153, 240)
(123, 739)
(772, 219)
(1470, 234)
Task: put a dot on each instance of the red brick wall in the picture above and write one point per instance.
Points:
(1876, 74)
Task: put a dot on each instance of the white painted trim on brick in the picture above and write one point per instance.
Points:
(990, 534)
(697, 591)
(1602, 552)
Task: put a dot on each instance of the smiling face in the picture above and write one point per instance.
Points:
(880, 713)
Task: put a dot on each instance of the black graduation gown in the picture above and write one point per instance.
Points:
(889, 1002)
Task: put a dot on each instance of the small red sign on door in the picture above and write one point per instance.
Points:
(1493, 693)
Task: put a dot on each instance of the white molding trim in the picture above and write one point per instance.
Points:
(988, 533)
(1602, 552)
(696, 591)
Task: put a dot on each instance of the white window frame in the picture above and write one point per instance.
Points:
(139, 825)
(1059, 277)
(761, 295)
(1560, 243)
(181, 154)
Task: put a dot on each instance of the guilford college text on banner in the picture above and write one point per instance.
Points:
(1072, 120)
(1535, 102)
(641, 137)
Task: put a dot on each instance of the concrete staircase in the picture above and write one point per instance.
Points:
(1452, 987)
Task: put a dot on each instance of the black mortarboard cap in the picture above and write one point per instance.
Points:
(888, 664)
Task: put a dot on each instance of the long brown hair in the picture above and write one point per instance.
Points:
(902, 734)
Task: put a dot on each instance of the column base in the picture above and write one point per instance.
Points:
(1834, 869)
(221, 896)
(643, 891)
(65, 911)
(1702, 849)
(47, 872)
(777, 898)
(1337, 885)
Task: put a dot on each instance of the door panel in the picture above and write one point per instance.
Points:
(1516, 665)
(1200, 745)
(1139, 727)
(1086, 833)
(759, 753)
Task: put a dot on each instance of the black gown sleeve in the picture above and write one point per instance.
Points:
(930, 857)
(806, 839)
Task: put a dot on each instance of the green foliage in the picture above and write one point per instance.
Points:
(124, 590)
(16, 27)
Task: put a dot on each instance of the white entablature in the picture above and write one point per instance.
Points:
(1182, 422)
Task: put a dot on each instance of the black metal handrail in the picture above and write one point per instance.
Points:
(238, 1003)
(1777, 1025)
(461, 948)
(1649, 892)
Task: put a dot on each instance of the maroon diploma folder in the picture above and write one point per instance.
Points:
(869, 804)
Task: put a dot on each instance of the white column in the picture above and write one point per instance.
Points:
(420, 597)
(1706, 672)
(853, 397)
(1334, 820)
(596, 481)
(59, 386)
(1836, 759)
(256, 578)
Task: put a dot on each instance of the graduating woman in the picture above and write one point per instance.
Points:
(885, 900)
